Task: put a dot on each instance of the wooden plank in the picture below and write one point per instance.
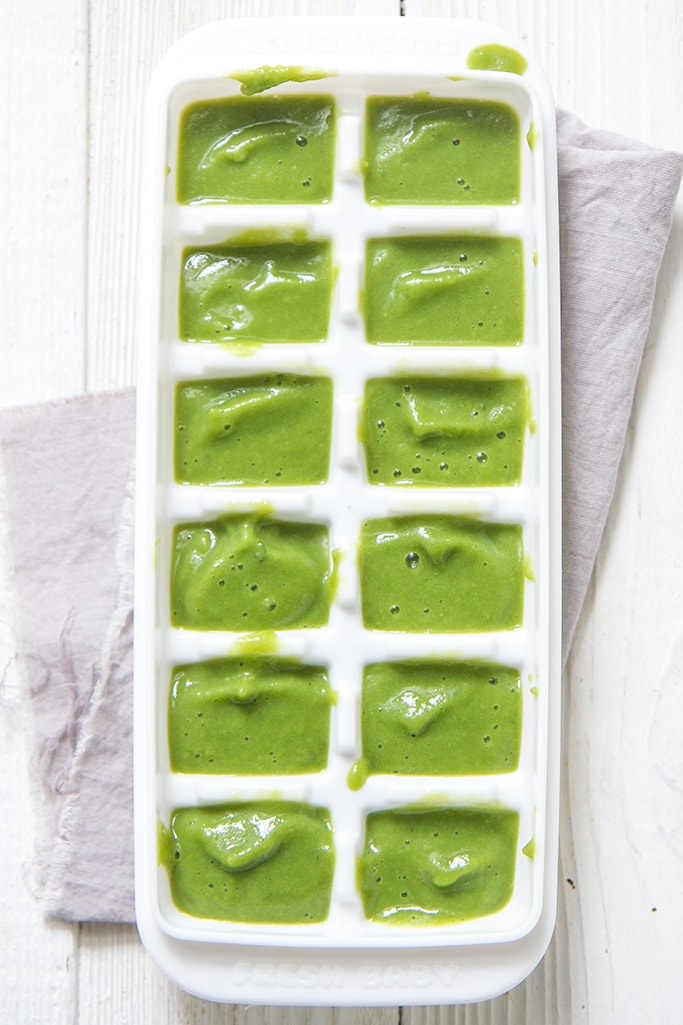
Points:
(43, 51)
(38, 957)
(42, 205)
(119, 983)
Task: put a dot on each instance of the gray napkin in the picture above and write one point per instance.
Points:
(69, 485)
(69, 489)
(617, 199)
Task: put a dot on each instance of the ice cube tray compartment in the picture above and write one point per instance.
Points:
(351, 226)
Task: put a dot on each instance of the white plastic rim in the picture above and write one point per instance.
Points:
(347, 960)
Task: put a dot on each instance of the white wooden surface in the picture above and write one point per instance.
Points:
(73, 75)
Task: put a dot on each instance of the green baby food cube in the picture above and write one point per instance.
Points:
(440, 573)
(427, 150)
(444, 290)
(263, 861)
(250, 572)
(445, 431)
(272, 429)
(426, 865)
(256, 290)
(440, 718)
(254, 716)
(266, 149)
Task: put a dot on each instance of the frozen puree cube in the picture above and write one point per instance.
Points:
(272, 429)
(266, 149)
(266, 861)
(425, 865)
(255, 289)
(445, 431)
(444, 573)
(440, 718)
(444, 290)
(423, 149)
(256, 715)
(250, 572)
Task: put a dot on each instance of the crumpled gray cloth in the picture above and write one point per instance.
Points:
(69, 500)
(69, 503)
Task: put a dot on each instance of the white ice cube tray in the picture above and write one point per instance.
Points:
(346, 959)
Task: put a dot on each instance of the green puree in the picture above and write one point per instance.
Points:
(257, 716)
(266, 861)
(258, 80)
(256, 289)
(271, 149)
(445, 290)
(250, 572)
(426, 865)
(448, 431)
(269, 429)
(494, 57)
(440, 573)
(440, 718)
(424, 150)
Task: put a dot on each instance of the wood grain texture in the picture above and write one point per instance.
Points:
(73, 84)
(43, 51)
(43, 215)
